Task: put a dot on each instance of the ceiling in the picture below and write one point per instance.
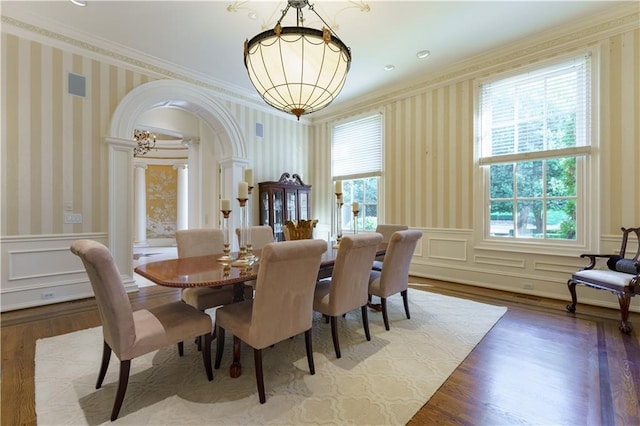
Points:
(205, 38)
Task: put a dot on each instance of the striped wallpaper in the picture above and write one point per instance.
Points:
(53, 151)
(429, 137)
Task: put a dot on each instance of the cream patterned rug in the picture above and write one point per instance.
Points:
(381, 382)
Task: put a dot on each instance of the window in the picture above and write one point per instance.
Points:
(535, 135)
(356, 160)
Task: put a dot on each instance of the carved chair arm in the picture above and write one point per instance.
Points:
(592, 258)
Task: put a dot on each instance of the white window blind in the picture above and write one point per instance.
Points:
(356, 148)
(544, 110)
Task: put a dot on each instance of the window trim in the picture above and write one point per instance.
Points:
(587, 164)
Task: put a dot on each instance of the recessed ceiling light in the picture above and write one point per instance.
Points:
(423, 54)
(389, 67)
(253, 15)
(81, 3)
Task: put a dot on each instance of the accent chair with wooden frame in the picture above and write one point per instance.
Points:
(621, 278)
(131, 334)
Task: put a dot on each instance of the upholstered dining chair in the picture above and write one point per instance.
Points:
(387, 231)
(347, 289)
(131, 334)
(394, 277)
(282, 306)
(203, 242)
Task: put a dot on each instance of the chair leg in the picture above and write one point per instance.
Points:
(385, 316)
(219, 346)
(405, 299)
(180, 348)
(257, 357)
(365, 321)
(334, 336)
(624, 299)
(236, 368)
(206, 355)
(574, 298)
(106, 356)
(308, 345)
(125, 366)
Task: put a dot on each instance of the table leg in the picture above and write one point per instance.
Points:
(238, 292)
(236, 369)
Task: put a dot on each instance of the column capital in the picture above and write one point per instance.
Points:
(180, 166)
(139, 165)
(194, 140)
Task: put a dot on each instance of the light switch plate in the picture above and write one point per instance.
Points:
(72, 218)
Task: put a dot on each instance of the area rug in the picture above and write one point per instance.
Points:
(384, 381)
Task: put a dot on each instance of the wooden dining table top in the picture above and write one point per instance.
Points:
(210, 271)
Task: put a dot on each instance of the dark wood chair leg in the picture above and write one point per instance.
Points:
(236, 369)
(365, 321)
(219, 346)
(624, 299)
(309, 347)
(125, 366)
(106, 356)
(334, 336)
(405, 299)
(257, 356)
(206, 355)
(574, 298)
(385, 316)
(180, 348)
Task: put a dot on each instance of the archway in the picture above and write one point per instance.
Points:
(160, 94)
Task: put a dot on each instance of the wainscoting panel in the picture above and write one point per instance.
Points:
(450, 256)
(40, 270)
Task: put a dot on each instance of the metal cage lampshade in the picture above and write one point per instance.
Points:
(297, 70)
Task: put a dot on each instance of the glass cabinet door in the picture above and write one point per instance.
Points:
(264, 206)
(292, 206)
(304, 206)
(278, 213)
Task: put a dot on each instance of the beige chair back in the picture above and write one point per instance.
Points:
(395, 274)
(260, 236)
(113, 303)
(350, 277)
(387, 230)
(199, 242)
(283, 300)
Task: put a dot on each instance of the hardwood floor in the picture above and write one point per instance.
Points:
(538, 365)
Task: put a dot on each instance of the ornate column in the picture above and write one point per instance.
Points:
(140, 205)
(182, 213)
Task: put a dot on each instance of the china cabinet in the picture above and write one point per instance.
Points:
(286, 199)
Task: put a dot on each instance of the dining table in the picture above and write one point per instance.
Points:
(217, 270)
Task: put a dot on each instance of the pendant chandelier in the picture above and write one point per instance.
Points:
(297, 70)
(146, 142)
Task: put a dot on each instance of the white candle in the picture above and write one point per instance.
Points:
(355, 207)
(225, 205)
(248, 176)
(338, 187)
(243, 190)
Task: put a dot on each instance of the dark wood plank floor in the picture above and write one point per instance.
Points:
(538, 365)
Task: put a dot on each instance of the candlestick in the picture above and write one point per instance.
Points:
(242, 260)
(355, 207)
(338, 217)
(226, 211)
(248, 176)
(355, 218)
(249, 247)
(338, 187)
(225, 205)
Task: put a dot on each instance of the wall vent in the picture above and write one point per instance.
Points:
(77, 85)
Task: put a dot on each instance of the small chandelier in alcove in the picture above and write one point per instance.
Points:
(146, 142)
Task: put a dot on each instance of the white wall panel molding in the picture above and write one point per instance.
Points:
(500, 261)
(40, 269)
(540, 275)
